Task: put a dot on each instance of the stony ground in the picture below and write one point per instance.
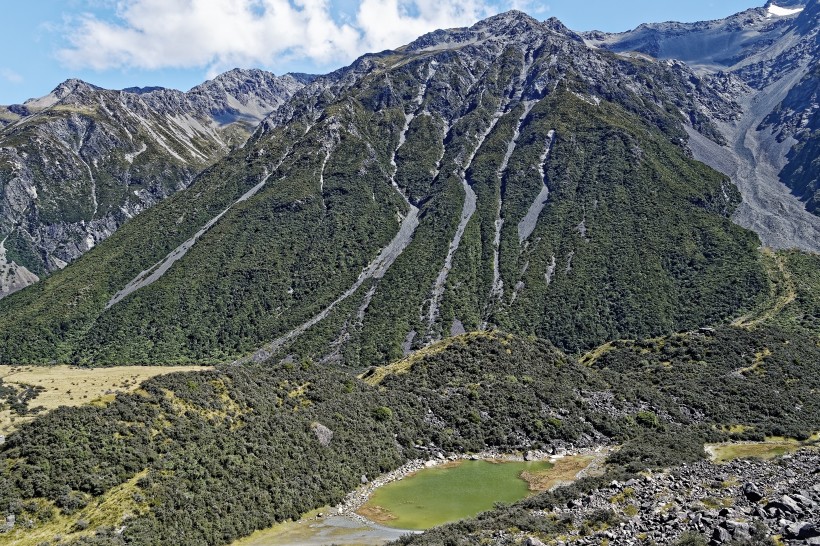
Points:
(740, 502)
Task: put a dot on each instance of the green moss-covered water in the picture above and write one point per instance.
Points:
(438, 495)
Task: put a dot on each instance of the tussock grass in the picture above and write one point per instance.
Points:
(71, 386)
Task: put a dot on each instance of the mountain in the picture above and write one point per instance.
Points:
(79, 162)
(475, 178)
(765, 60)
(496, 238)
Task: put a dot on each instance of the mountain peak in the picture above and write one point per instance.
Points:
(243, 73)
(512, 22)
(143, 90)
(509, 18)
(554, 24)
(509, 24)
(68, 87)
(72, 85)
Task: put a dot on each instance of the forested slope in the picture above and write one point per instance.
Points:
(504, 175)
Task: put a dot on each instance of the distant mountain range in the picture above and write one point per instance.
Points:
(77, 163)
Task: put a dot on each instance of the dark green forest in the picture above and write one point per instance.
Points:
(211, 456)
(635, 234)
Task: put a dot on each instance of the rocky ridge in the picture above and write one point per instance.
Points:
(762, 61)
(78, 162)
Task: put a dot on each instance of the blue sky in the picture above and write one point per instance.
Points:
(180, 43)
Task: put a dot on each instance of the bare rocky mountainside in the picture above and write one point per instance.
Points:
(765, 60)
(77, 163)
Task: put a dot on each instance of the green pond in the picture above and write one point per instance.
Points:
(438, 495)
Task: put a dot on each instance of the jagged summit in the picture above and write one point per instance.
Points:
(555, 24)
(509, 25)
(511, 21)
(69, 87)
(143, 90)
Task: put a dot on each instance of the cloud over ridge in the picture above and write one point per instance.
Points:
(217, 34)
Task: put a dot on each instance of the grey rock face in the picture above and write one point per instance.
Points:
(323, 434)
(765, 62)
(77, 163)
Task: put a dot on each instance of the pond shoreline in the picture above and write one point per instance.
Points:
(356, 499)
(342, 525)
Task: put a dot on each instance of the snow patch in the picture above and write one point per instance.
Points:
(777, 11)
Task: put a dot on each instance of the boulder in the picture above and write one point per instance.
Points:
(720, 536)
(784, 507)
(803, 501)
(739, 530)
(790, 503)
(802, 530)
(751, 492)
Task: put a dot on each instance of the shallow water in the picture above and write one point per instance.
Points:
(443, 493)
(451, 492)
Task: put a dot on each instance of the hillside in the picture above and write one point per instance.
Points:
(556, 174)
(79, 162)
(210, 456)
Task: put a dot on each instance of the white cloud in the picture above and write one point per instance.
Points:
(11, 76)
(389, 23)
(218, 34)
